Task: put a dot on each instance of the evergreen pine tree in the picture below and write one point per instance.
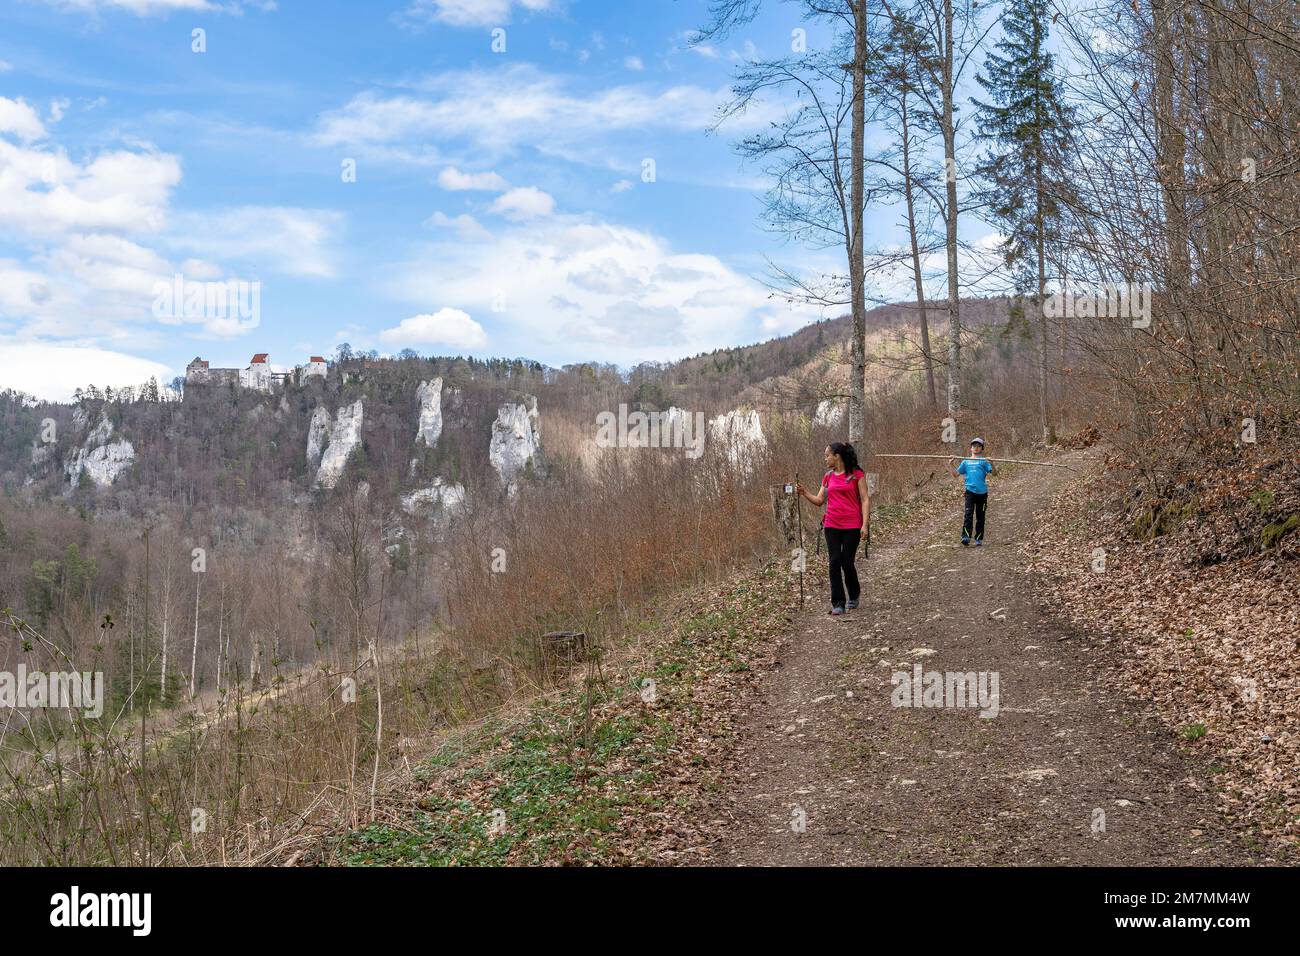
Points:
(1027, 125)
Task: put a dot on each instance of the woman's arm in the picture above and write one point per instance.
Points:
(818, 500)
(864, 498)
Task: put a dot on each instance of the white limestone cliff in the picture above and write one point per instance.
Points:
(830, 412)
(516, 442)
(739, 434)
(430, 398)
(100, 458)
(318, 433)
(446, 496)
(344, 438)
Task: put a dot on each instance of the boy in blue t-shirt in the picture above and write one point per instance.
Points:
(975, 470)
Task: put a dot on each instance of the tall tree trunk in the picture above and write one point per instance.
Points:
(916, 255)
(166, 613)
(857, 275)
(194, 651)
(221, 622)
(1061, 329)
(1039, 301)
(130, 632)
(1039, 225)
(950, 177)
(144, 638)
(1171, 145)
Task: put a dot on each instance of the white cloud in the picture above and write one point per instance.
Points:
(5, 66)
(53, 372)
(20, 120)
(519, 105)
(634, 63)
(748, 53)
(110, 264)
(146, 8)
(464, 225)
(706, 50)
(100, 235)
(566, 286)
(276, 238)
(469, 13)
(102, 289)
(622, 186)
(25, 291)
(453, 179)
(525, 202)
(43, 192)
(445, 327)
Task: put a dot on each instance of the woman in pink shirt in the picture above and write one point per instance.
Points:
(848, 503)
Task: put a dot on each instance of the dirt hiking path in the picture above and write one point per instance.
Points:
(876, 784)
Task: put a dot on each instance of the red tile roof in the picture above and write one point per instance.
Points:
(260, 358)
(317, 358)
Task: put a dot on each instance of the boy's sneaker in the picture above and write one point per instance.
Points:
(965, 542)
(852, 605)
(979, 542)
(837, 611)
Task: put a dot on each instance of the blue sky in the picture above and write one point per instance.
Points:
(500, 203)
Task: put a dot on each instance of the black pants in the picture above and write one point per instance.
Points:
(975, 505)
(841, 546)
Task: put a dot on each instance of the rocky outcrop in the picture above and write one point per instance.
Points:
(100, 458)
(516, 444)
(318, 433)
(344, 438)
(661, 429)
(739, 434)
(100, 434)
(830, 412)
(442, 497)
(430, 398)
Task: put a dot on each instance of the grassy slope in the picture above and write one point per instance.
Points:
(583, 775)
(592, 773)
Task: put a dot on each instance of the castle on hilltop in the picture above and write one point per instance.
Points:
(259, 376)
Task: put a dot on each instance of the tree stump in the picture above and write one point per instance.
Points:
(561, 650)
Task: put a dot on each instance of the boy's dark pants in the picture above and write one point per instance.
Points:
(975, 505)
(841, 545)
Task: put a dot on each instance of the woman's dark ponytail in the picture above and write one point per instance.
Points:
(847, 455)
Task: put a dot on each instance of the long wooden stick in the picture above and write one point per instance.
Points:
(803, 556)
(1010, 461)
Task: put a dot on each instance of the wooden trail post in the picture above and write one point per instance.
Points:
(788, 514)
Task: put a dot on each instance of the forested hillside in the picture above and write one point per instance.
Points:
(429, 609)
(222, 557)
